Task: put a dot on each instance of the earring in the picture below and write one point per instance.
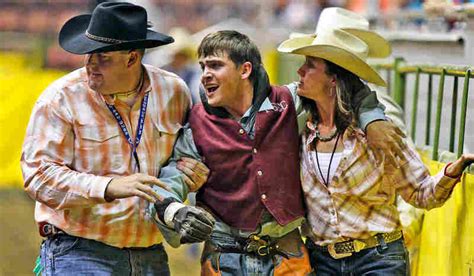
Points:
(332, 92)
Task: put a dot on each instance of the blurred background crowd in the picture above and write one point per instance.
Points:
(28, 24)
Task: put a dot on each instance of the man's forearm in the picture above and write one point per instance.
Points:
(173, 178)
(59, 187)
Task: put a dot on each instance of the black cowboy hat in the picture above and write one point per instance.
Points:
(112, 26)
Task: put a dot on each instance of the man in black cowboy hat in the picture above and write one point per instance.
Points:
(95, 141)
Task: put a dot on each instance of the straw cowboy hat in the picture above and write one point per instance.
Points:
(183, 42)
(112, 26)
(340, 48)
(353, 23)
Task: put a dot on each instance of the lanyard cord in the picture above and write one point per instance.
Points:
(139, 132)
(326, 181)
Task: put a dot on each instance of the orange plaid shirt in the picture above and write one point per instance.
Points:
(360, 199)
(74, 146)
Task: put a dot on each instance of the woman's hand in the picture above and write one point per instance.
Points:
(195, 172)
(457, 167)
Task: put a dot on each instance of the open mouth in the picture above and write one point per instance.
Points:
(94, 75)
(211, 88)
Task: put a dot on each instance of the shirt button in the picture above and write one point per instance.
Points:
(260, 173)
(241, 131)
(255, 151)
(264, 196)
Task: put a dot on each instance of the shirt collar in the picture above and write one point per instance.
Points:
(266, 105)
(110, 99)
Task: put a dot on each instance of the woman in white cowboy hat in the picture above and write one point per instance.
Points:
(353, 223)
(378, 47)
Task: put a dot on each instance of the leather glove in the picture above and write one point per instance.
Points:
(193, 224)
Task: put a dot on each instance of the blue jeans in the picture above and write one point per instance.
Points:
(67, 255)
(389, 260)
(217, 263)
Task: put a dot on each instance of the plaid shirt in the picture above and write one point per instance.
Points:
(360, 199)
(74, 146)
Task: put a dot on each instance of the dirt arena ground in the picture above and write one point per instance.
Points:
(19, 241)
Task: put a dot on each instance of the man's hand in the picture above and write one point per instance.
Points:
(193, 224)
(385, 139)
(195, 173)
(134, 185)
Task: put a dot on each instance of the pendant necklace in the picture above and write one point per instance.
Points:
(326, 181)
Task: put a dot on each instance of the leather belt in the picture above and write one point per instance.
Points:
(346, 248)
(262, 246)
(48, 230)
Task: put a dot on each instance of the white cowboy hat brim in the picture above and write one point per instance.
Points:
(342, 58)
(379, 47)
(295, 41)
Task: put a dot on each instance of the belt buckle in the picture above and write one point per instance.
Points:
(334, 254)
(263, 250)
(256, 244)
(46, 229)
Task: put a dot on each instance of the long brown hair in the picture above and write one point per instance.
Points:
(346, 85)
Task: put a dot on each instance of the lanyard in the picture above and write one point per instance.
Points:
(141, 122)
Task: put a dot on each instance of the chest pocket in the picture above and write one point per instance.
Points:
(98, 144)
(165, 136)
(97, 140)
(92, 136)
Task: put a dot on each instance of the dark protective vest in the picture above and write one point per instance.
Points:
(248, 176)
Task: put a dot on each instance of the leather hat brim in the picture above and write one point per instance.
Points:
(72, 38)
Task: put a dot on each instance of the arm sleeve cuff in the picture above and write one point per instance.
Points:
(171, 211)
(368, 117)
(98, 186)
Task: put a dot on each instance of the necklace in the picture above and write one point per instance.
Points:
(325, 138)
(134, 90)
(326, 181)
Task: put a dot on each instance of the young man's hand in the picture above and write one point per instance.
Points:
(193, 224)
(385, 139)
(195, 172)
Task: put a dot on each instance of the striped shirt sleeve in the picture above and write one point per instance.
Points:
(47, 157)
(416, 185)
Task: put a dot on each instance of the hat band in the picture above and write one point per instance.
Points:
(104, 39)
